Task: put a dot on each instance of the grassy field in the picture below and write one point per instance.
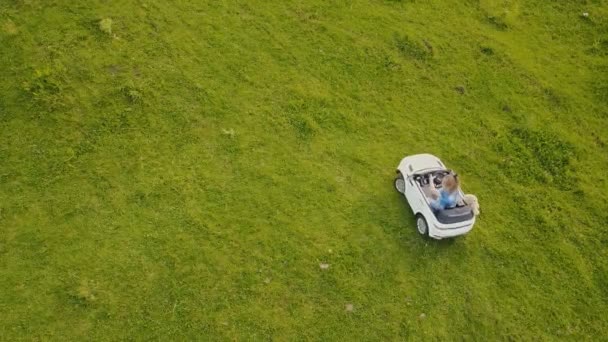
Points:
(180, 169)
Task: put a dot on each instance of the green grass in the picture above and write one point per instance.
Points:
(179, 170)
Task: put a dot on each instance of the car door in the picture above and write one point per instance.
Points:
(413, 195)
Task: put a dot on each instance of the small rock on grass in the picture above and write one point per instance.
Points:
(228, 132)
(324, 266)
(105, 25)
(422, 315)
(349, 307)
(267, 281)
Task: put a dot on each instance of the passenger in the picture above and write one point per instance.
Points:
(448, 196)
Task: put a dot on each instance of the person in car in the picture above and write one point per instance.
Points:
(448, 196)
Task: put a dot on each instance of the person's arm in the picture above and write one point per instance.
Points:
(434, 193)
(452, 199)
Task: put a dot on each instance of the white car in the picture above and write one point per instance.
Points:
(413, 180)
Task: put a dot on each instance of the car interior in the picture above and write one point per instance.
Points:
(461, 212)
(424, 181)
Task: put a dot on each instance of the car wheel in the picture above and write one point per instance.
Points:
(421, 225)
(400, 184)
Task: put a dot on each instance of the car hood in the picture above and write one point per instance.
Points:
(419, 162)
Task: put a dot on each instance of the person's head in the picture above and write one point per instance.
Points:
(450, 183)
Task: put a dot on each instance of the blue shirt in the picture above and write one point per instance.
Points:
(445, 200)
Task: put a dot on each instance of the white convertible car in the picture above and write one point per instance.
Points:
(413, 180)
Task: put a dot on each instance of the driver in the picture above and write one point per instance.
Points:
(448, 196)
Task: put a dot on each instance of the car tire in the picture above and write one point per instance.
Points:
(399, 184)
(422, 226)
